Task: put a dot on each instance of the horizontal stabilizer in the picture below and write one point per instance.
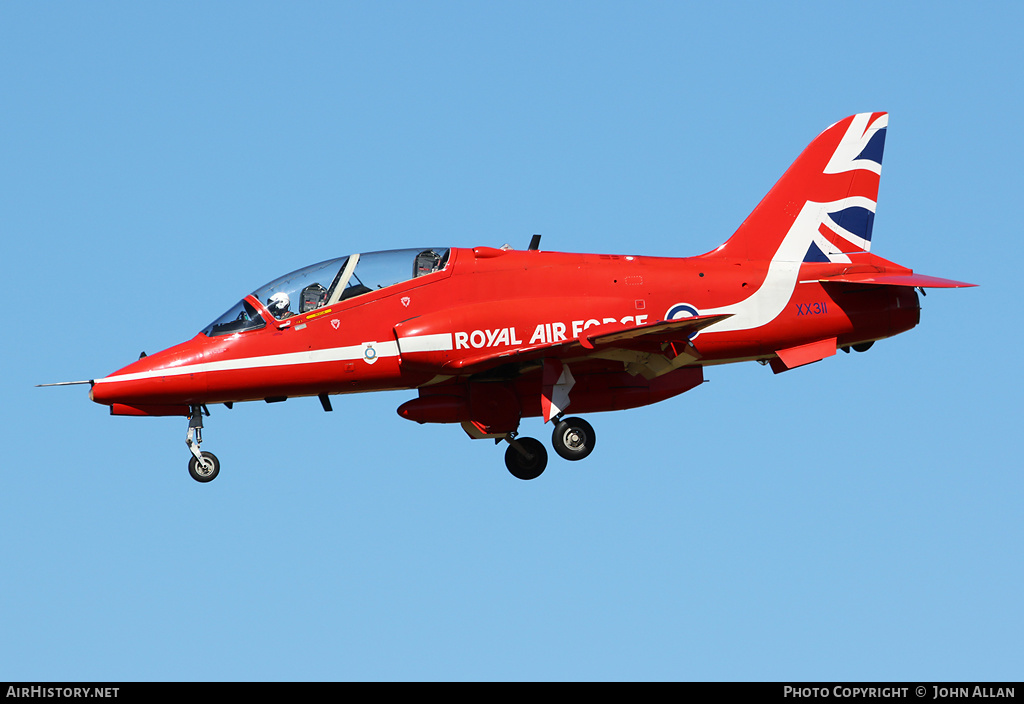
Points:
(884, 279)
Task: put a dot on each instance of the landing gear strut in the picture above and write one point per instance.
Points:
(203, 466)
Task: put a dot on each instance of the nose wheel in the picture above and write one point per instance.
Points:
(205, 468)
(202, 466)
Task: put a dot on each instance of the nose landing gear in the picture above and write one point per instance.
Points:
(203, 466)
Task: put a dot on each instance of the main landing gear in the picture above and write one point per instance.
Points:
(526, 458)
(203, 466)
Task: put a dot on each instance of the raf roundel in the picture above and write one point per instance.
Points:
(683, 310)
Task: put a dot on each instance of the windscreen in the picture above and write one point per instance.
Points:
(330, 282)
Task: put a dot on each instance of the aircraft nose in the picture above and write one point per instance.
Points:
(173, 376)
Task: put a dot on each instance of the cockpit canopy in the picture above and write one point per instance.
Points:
(328, 283)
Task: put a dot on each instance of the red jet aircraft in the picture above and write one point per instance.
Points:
(487, 337)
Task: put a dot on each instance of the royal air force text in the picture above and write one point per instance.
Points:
(543, 334)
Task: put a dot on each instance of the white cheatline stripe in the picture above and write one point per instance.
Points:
(762, 306)
(426, 343)
(388, 348)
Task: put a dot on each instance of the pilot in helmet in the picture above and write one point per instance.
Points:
(278, 305)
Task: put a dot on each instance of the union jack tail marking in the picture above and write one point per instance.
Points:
(823, 207)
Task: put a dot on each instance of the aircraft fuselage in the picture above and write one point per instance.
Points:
(493, 303)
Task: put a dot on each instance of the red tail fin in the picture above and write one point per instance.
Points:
(823, 207)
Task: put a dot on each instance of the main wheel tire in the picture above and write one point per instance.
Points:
(526, 468)
(573, 439)
(205, 473)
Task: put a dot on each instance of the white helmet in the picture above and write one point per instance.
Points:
(278, 304)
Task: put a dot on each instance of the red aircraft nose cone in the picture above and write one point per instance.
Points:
(173, 376)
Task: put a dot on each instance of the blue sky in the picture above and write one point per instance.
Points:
(857, 519)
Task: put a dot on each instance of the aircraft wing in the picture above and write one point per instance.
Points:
(660, 332)
(642, 339)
